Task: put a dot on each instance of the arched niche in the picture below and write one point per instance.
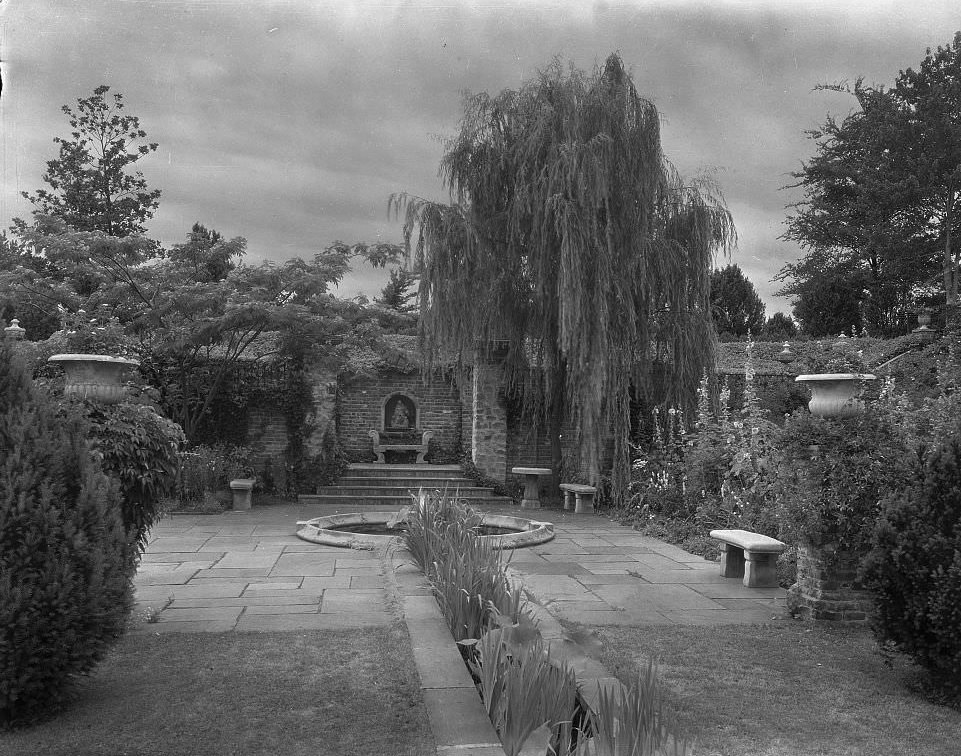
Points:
(399, 412)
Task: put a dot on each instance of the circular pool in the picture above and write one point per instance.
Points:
(367, 529)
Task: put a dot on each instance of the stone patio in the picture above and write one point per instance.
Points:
(248, 572)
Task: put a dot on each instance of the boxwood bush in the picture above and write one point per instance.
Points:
(914, 568)
(66, 560)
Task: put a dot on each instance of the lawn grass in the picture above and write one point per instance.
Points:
(336, 693)
(785, 690)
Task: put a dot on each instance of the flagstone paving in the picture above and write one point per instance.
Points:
(247, 571)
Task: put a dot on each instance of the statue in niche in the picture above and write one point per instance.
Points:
(399, 414)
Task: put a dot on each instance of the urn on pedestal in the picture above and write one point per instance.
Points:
(94, 376)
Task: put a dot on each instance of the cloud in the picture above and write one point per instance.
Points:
(290, 123)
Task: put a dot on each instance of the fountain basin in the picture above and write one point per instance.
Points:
(370, 529)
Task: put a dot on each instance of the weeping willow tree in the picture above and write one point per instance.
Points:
(570, 237)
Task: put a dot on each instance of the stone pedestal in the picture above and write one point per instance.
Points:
(242, 489)
(827, 586)
(531, 475)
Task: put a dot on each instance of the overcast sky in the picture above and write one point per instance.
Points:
(291, 122)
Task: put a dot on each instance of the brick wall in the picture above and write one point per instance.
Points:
(267, 439)
(323, 379)
(267, 426)
(360, 403)
(827, 587)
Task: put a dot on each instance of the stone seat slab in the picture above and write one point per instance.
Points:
(745, 539)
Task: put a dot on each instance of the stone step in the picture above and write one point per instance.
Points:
(464, 492)
(411, 482)
(389, 501)
(367, 470)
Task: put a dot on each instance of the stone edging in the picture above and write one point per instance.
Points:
(457, 716)
(458, 719)
(320, 530)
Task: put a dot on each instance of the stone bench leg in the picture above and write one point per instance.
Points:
(732, 561)
(584, 503)
(567, 500)
(760, 569)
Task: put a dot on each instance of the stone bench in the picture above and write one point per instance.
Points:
(749, 555)
(382, 445)
(583, 497)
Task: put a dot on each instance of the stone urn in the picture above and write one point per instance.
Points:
(835, 394)
(94, 376)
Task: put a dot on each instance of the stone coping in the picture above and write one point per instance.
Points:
(321, 530)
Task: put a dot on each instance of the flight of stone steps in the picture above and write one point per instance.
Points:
(392, 485)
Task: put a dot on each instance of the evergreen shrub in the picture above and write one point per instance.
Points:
(914, 569)
(66, 560)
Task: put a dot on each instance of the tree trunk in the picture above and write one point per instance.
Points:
(950, 270)
(556, 426)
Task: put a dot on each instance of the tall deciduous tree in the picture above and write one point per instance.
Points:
(881, 192)
(571, 237)
(931, 101)
(92, 186)
(735, 305)
(196, 312)
(779, 326)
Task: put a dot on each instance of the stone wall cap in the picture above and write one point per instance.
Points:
(242, 484)
(531, 470)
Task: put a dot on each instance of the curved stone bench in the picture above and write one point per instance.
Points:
(382, 445)
(749, 555)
